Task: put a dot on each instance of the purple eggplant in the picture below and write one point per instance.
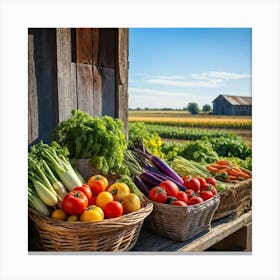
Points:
(156, 171)
(166, 178)
(150, 179)
(141, 186)
(162, 166)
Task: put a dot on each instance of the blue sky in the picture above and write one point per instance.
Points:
(170, 67)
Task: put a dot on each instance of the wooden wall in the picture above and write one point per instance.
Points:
(84, 68)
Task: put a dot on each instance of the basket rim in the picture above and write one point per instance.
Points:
(125, 219)
(188, 207)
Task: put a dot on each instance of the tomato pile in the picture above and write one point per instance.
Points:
(198, 189)
(97, 200)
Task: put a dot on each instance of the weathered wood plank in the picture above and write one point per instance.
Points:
(122, 105)
(33, 126)
(221, 229)
(84, 47)
(85, 88)
(66, 97)
(95, 45)
(97, 92)
(123, 55)
(122, 77)
(108, 91)
(107, 47)
(217, 234)
(73, 86)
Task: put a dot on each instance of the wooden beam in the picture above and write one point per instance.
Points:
(33, 126)
(66, 95)
(84, 46)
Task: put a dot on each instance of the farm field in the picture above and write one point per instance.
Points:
(239, 125)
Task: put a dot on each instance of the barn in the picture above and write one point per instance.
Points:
(232, 105)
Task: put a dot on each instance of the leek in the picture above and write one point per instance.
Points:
(35, 202)
(56, 158)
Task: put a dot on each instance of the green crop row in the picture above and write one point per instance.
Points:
(186, 133)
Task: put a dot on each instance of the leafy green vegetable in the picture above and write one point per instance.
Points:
(45, 160)
(99, 138)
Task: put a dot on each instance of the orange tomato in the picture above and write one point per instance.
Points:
(59, 214)
(103, 198)
(131, 203)
(97, 183)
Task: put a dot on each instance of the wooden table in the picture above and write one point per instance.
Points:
(226, 234)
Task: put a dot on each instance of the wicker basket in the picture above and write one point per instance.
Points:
(86, 169)
(181, 223)
(236, 199)
(117, 234)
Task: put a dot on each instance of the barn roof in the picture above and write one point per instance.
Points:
(237, 100)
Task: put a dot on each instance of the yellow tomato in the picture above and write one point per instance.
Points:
(73, 218)
(59, 214)
(131, 203)
(92, 214)
(103, 198)
(119, 191)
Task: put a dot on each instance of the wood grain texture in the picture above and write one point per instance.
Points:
(107, 47)
(95, 45)
(97, 91)
(33, 126)
(85, 88)
(84, 46)
(65, 96)
(108, 91)
(123, 55)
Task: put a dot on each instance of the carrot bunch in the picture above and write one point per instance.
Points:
(227, 171)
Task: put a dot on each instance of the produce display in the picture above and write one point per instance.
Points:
(57, 190)
(227, 171)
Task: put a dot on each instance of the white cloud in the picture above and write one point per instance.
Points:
(176, 83)
(159, 93)
(220, 76)
(210, 79)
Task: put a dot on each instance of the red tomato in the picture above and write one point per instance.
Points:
(205, 187)
(186, 177)
(201, 180)
(92, 201)
(211, 181)
(75, 203)
(113, 209)
(170, 187)
(85, 189)
(158, 194)
(179, 203)
(193, 184)
(195, 200)
(213, 190)
(190, 193)
(206, 195)
(182, 196)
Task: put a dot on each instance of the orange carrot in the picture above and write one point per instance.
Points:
(234, 172)
(223, 161)
(212, 169)
(246, 171)
(244, 176)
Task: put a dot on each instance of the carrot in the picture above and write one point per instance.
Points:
(246, 171)
(244, 176)
(232, 178)
(234, 172)
(222, 172)
(223, 167)
(212, 169)
(223, 162)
